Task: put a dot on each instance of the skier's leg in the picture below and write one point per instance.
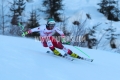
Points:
(51, 45)
(43, 41)
(68, 51)
(44, 44)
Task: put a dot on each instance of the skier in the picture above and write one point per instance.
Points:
(46, 32)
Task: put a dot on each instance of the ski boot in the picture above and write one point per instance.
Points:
(74, 55)
(57, 53)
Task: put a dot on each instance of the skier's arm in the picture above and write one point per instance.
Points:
(31, 30)
(62, 34)
(34, 30)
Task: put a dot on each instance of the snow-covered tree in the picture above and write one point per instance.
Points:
(17, 8)
(110, 9)
(3, 12)
(111, 36)
(33, 22)
(52, 9)
(29, 0)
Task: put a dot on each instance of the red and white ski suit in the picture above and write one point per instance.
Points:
(47, 39)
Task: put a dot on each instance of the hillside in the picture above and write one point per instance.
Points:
(26, 59)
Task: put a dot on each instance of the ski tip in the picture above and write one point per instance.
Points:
(48, 52)
(72, 60)
(91, 60)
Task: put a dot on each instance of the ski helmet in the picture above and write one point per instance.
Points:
(50, 23)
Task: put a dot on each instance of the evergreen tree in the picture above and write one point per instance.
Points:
(111, 36)
(29, 0)
(32, 23)
(109, 9)
(17, 8)
(52, 9)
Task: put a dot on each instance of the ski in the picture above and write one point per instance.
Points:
(68, 57)
(63, 56)
(86, 59)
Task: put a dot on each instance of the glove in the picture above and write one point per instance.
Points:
(63, 40)
(25, 33)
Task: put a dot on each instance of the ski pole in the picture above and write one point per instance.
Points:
(21, 26)
(79, 50)
(23, 34)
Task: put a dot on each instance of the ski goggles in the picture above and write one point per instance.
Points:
(51, 25)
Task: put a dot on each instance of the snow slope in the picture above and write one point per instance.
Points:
(26, 59)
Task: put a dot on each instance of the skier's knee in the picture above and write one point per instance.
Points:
(52, 48)
(60, 46)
